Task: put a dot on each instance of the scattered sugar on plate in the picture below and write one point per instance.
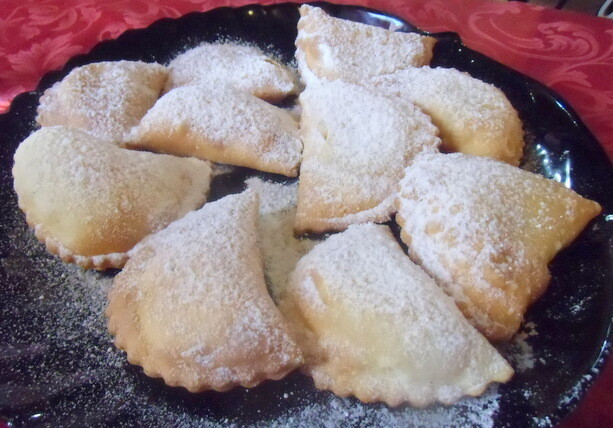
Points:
(281, 249)
(57, 313)
(337, 411)
(521, 353)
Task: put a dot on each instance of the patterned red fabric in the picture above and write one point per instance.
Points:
(571, 53)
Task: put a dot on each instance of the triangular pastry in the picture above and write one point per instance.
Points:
(222, 124)
(332, 48)
(191, 304)
(473, 117)
(91, 202)
(372, 324)
(356, 146)
(243, 67)
(486, 232)
(104, 98)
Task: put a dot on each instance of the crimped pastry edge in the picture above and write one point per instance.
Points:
(124, 337)
(395, 401)
(380, 213)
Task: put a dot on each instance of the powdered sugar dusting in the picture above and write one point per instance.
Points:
(492, 233)
(350, 167)
(222, 124)
(77, 299)
(281, 249)
(221, 169)
(406, 341)
(88, 195)
(463, 209)
(244, 67)
(336, 411)
(64, 309)
(208, 302)
(521, 352)
(334, 48)
(106, 98)
(474, 117)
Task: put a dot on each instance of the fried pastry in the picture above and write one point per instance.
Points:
(372, 324)
(222, 124)
(356, 146)
(473, 117)
(486, 232)
(244, 67)
(333, 48)
(191, 304)
(90, 202)
(104, 98)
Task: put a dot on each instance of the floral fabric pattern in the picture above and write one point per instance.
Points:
(569, 52)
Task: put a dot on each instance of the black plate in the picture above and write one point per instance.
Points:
(58, 365)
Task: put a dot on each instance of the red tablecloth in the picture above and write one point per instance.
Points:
(571, 53)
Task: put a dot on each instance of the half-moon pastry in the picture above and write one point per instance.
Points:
(104, 98)
(372, 324)
(222, 124)
(486, 232)
(356, 146)
(473, 117)
(91, 202)
(191, 304)
(243, 67)
(333, 48)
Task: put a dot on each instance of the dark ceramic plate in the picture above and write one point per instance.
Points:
(57, 363)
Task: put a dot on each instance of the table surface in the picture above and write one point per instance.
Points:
(569, 52)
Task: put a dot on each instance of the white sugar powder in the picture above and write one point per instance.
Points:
(67, 306)
(281, 249)
(337, 411)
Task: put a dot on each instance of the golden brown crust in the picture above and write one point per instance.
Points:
(193, 121)
(90, 202)
(473, 117)
(98, 262)
(392, 401)
(332, 48)
(105, 98)
(486, 232)
(127, 337)
(191, 306)
(373, 325)
(244, 67)
(316, 220)
(350, 168)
